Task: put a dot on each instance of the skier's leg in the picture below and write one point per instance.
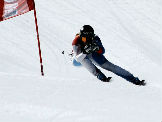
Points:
(122, 73)
(89, 66)
(87, 63)
(105, 64)
(117, 70)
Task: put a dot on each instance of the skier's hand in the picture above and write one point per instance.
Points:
(87, 49)
(95, 47)
(91, 48)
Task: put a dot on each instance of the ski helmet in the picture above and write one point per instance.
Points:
(87, 31)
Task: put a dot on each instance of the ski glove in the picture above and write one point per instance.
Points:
(90, 48)
(87, 49)
(95, 47)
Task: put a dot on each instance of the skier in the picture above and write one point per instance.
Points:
(88, 50)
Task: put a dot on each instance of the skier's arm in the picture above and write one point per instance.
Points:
(78, 54)
(76, 46)
(99, 43)
(76, 49)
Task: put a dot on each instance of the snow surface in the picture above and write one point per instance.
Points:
(130, 31)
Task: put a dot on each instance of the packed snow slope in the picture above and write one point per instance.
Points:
(131, 32)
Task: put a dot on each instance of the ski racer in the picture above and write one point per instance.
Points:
(88, 50)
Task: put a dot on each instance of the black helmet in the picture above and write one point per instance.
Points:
(86, 31)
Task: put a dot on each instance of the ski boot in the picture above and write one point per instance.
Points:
(136, 81)
(103, 78)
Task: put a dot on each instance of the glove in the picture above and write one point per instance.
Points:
(87, 49)
(91, 48)
(95, 47)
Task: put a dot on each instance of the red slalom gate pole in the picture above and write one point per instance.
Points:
(1, 9)
(40, 55)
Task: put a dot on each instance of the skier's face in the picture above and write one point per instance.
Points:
(84, 39)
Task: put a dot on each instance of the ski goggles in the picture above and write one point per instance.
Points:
(87, 34)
